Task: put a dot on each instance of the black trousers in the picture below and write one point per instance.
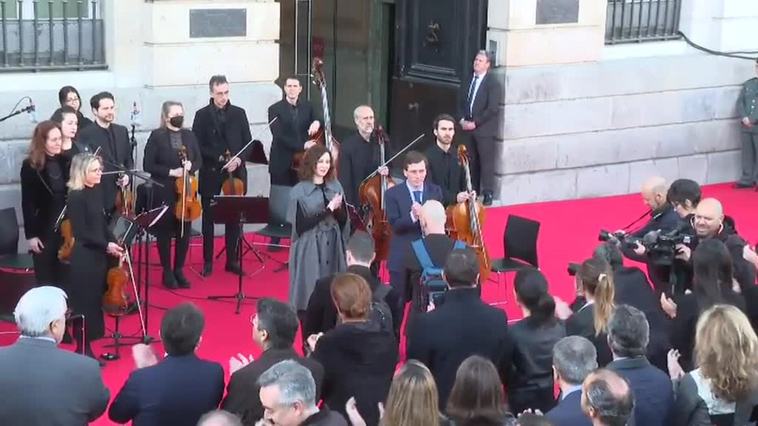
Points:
(211, 180)
(286, 177)
(48, 270)
(482, 161)
(172, 228)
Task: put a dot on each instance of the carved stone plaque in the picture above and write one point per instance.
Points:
(557, 11)
(218, 23)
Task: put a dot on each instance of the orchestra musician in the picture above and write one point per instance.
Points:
(44, 174)
(68, 120)
(162, 161)
(444, 168)
(68, 96)
(115, 149)
(93, 242)
(220, 127)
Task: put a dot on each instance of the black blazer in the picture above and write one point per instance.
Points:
(94, 137)
(288, 136)
(463, 326)
(214, 138)
(37, 198)
(581, 323)
(160, 158)
(486, 104)
(446, 172)
(176, 391)
(532, 362)
(569, 412)
(242, 392)
(358, 159)
(652, 389)
(398, 204)
(438, 246)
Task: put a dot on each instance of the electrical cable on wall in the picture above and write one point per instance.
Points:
(736, 54)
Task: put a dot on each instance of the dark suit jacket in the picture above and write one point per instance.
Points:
(653, 392)
(242, 393)
(581, 323)
(463, 326)
(176, 391)
(405, 230)
(215, 138)
(486, 104)
(568, 412)
(288, 136)
(438, 246)
(44, 385)
(358, 159)
(321, 315)
(95, 137)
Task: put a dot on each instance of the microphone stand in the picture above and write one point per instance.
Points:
(28, 108)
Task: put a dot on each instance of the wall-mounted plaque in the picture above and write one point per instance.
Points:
(218, 23)
(557, 11)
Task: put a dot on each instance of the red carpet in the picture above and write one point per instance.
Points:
(568, 233)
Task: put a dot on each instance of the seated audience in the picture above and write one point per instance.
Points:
(628, 335)
(574, 358)
(40, 382)
(219, 418)
(463, 326)
(607, 399)
(177, 389)
(321, 315)
(288, 394)
(530, 381)
(359, 357)
(723, 389)
(274, 328)
(477, 395)
(712, 283)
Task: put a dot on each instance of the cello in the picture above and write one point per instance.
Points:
(371, 194)
(467, 218)
(188, 207)
(232, 185)
(324, 135)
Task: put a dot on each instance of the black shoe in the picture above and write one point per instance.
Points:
(487, 199)
(742, 185)
(181, 280)
(169, 281)
(234, 268)
(207, 269)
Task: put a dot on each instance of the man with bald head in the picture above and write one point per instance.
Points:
(607, 399)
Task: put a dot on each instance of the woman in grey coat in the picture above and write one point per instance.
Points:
(320, 225)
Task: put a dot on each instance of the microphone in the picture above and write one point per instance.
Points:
(32, 111)
(135, 116)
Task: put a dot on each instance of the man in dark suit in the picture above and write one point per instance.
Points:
(295, 124)
(112, 141)
(463, 326)
(403, 208)
(40, 382)
(628, 335)
(444, 168)
(607, 399)
(321, 315)
(574, 357)
(274, 329)
(180, 388)
(479, 100)
(220, 127)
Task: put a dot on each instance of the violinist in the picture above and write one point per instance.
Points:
(220, 127)
(444, 168)
(93, 242)
(162, 161)
(44, 174)
(68, 120)
(115, 149)
(359, 154)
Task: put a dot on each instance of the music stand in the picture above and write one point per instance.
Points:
(239, 209)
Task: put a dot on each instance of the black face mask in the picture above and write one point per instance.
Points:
(176, 121)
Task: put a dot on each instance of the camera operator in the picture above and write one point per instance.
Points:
(684, 195)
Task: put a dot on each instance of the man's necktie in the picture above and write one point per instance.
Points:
(417, 196)
(470, 99)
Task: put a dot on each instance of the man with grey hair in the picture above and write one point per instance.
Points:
(628, 335)
(219, 418)
(574, 357)
(607, 399)
(288, 395)
(39, 381)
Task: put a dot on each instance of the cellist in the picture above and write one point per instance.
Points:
(444, 168)
(162, 161)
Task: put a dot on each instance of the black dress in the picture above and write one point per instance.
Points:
(89, 260)
(43, 195)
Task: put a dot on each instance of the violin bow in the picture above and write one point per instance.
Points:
(253, 139)
(418, 138)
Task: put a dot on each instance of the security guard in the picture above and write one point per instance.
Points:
(747, 110)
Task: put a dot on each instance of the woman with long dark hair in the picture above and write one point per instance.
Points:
(69, 96)
(477, 395)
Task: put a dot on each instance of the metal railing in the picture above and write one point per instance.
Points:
(634, 21)
(39, 35)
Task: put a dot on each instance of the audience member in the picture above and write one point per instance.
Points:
(219, 418)
(574, 358)
(359, 357)
(288, 395)
(530, 382)
(274, 328)
(321, 315)
(477, 395)
(628, 336)
(40, 382)
(723, 389)
(532, 419)
(463, 326)
(595, 279)
(178, 389)
(607, 399)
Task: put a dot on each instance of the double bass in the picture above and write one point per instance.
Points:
(324, 135)
(371, 194)
(465, 220)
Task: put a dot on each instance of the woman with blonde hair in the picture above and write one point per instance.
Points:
(723, 389)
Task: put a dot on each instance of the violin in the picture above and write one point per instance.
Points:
(188, 206)
(324, 136)
(64, 252)
(115, 301)
(465, 220)
(371, 195)
(125, 202)
(232, 185)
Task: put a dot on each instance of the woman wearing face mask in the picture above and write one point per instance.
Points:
(44, 174)
(162, 160)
